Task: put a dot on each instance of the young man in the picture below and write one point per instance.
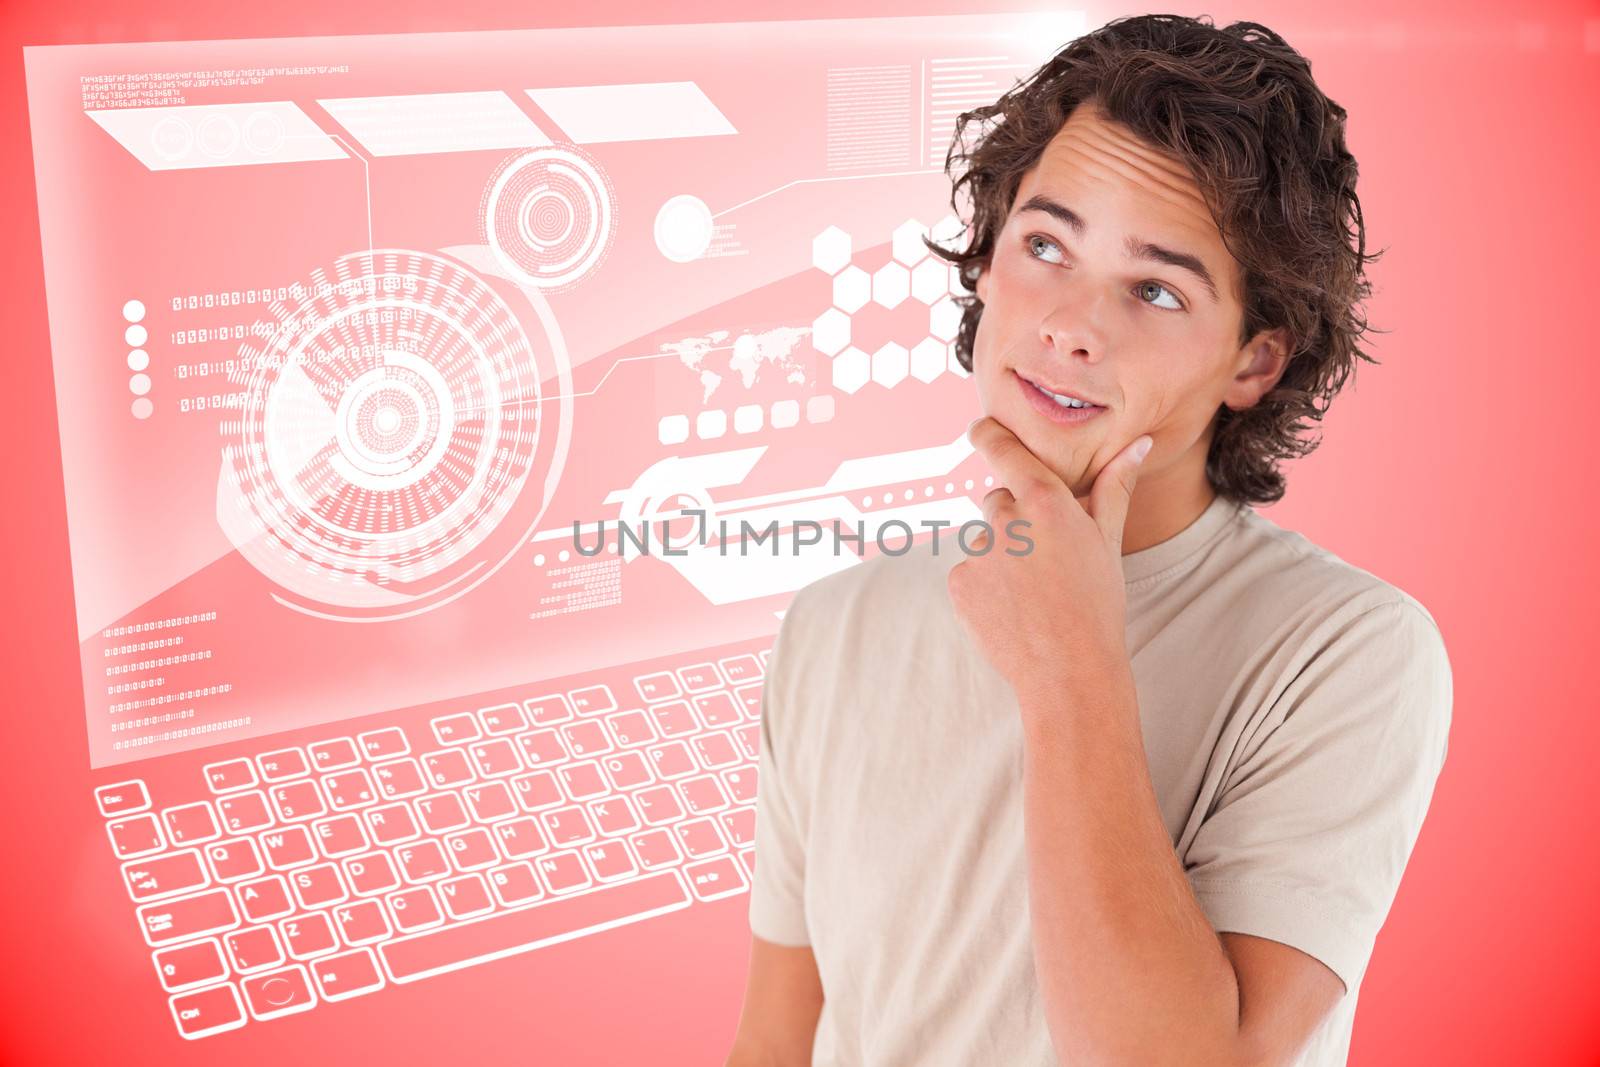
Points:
(1144, 794)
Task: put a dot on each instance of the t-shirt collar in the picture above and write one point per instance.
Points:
(1183, 544)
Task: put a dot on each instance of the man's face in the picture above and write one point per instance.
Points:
(1076, 312)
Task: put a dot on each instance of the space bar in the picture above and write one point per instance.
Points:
(450, 948)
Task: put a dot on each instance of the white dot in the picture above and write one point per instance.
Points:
(989, 480)
(910, 493)
(138, 359)
(611, 547)
(683, 228)
(136, 336)
(133, 310)
(563, 555)
(969, 483)
(888, 498)
(538, 560)
(142, 408)
(927, 490)
(866, 501)
(140, 384)
(949, 487)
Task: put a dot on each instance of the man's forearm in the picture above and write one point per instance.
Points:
(1129, 968)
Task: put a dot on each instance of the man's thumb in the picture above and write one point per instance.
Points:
(1113, 488)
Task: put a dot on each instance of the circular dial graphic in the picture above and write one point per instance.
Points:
(549, 216)
(386, 434)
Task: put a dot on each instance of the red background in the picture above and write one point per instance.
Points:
(1455, 470)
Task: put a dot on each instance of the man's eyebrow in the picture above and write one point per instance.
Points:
(1137, 247)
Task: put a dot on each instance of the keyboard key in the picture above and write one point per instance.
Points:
(190, 824)
(656, 849)
(283, 764)
(613, 815)
(288, 847)
(741, 669)
(254, 949)
(230, 775)
(187, 966)
(371, 874)
(520, 837)
(361, 923)
(401, 778)
(715, 879)
(740, 783)
(631, 728)
(674, 718)
(490, 802)
(348, 790)
(749, 698)
(715, 750)
(503, 719)
(457, 729)
(537, 791)
(298, 801)
(700, 837)
(663, 685)
(465, 897)
(627, 770)
(391, 824)
(276, 993)
(441, 812)
(671, 760)
(515, 884)
(207, 1011)
(740, 826)
(165, 876)
(347, 975)
(186, 918)
(341, 835)
(568, 826)
(703, 795)
(700, 677)
(414, 909)
(582, 780)
(244, 812)
(137, 835)
(658, 805)
(265, 898)
(766, 657)
(610, 860)
(543, 748)
(495, 759)
(586, 739)
(319, 886)
(309, 935)
(334, 755)
(423, 861)
(450, 948)
(749, 738)
(234, 860)
(122, 798)
(748, 858)
(595, 700)
(384, 744)
(563, 872)
(471, 850)
(447, 768)
(546, 710)
(717, 709)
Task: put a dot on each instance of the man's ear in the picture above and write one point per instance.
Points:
(1260, 364)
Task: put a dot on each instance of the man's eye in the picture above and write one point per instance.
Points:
(1035, 240)
(1177, 305)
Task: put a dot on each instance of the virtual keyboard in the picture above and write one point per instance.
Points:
(270, 877)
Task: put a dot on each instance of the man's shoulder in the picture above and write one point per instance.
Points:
(875, 593)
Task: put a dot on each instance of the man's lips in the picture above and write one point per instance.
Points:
(1040, 383)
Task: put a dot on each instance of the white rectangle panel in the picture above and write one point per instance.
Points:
(645, 111)
(217, 135)
(425, 123)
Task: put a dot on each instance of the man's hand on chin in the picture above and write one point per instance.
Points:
(1047, 616)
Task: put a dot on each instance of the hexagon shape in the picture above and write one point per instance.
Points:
(830, 332)
(955, 365)
(907, 242)
(930, 280)
(852, 288)
(889, 365)
(891, 285)
(830, 250)
(928, 359)
(851, 369)
(947, 232)
(944, 319)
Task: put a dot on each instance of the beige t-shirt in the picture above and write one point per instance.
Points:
(1294, 709)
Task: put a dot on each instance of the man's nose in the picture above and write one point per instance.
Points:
(1074, 324)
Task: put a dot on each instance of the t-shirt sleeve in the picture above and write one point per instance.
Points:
(777, 889)
(1310, 834)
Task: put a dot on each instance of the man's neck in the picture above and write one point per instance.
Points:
(1163, 505)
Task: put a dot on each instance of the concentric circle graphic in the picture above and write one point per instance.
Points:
(549, 216)
(386, 432)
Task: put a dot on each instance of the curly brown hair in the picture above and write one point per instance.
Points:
(1266, 147)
